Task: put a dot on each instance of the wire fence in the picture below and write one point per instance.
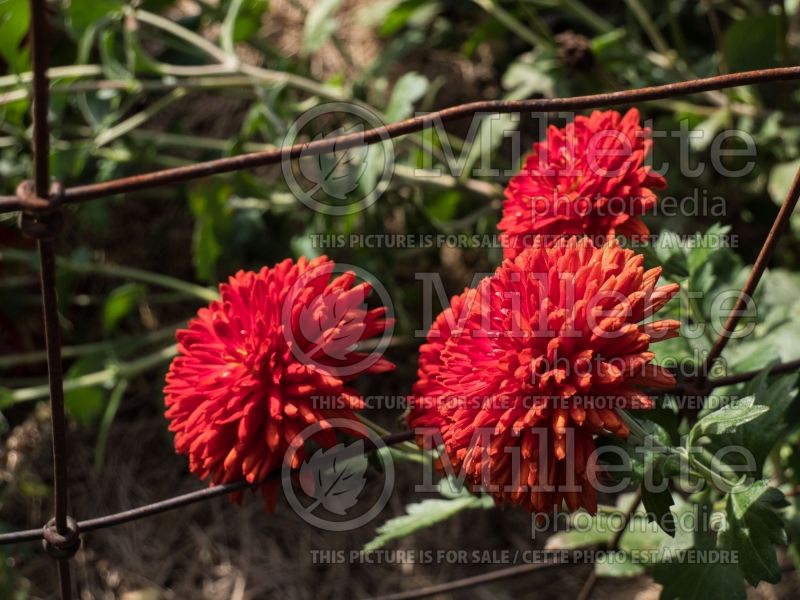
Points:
(41, 205)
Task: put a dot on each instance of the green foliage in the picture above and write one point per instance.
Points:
(121, 302)
(320, 25)
(728, 418)
(82, 15)
(212, 225)
(752, 43)
(760, 436)
(752, 529)
(424, 514)
(178, 95)
(687, 578)
(408, 89)
(14, 21)
(86, 404)
(659, 505)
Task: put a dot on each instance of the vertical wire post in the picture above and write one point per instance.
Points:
(759, 266)
(41, 183)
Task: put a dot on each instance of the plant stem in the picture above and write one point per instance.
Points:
(513, 24)
(112, 407)
(108, 376)
(138, 119)
(187, 36)
(52, 73)
(190, 289)
(127, 343)
(228, 25)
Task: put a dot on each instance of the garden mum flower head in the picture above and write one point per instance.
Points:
(534, 362)
(250, 366)
(588, 178)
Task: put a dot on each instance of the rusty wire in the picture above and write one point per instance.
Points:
(60, 538)
(41, 218)
(412, 125)
(146, 510)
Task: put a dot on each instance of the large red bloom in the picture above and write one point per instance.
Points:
(534, 362)
(588, 178)
(266, 361)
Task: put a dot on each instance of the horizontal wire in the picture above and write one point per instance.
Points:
(133, 514)
(30, 535)
(412, 125)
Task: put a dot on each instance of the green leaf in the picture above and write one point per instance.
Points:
(640, 536)
(658, 506)
(320, 25)
(81, 15)
(248, 22)
(441, 207)
(14, 23)
(667, 252)
(753, 528)
(105, 424)
(752, 43)
(421, 515)
(409, 13)
(6, 398)
(120, 303)
(705, 246)
(529, 74)
(213, 217)
(686, 579)
(632, 459)
(407, 90)
(703, 134)
(780, 180)
(85, 404)
(760, 437)
(728, 418)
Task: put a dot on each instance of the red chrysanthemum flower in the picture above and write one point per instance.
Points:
(588, 178)
(534, 362)
(269, 359)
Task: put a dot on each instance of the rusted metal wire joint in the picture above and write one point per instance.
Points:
(41, 218)
(63, 544)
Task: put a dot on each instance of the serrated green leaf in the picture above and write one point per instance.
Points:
(688, 580)
(593, 530)
(753, 528)
(421, 515)
(761, 436)
(728, 418)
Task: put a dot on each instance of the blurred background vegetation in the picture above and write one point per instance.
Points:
(159, 83)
